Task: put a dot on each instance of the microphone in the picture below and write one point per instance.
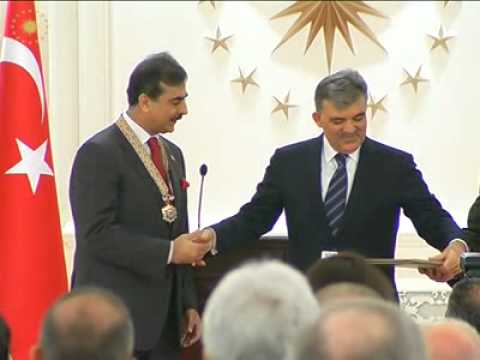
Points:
(203, 172)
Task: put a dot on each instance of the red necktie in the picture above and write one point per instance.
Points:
(156, 153)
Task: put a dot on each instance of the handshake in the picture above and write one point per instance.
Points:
(191, 248)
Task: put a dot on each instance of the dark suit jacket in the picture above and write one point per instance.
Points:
(473, 230)
(386, 181)
(122, 243)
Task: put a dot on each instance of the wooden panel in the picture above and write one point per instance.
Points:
(209, 276)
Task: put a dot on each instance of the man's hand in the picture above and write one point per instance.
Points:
(190, 248)
(450, 267)
(192, 328)
(206, 235)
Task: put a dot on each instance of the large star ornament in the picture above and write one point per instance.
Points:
(329, 15)
(245, 81)
(211, 2)
(32, 164)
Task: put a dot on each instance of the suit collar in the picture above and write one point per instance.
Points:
(141, 133)
(361, 183)
(135, 164)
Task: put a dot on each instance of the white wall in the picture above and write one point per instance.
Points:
(92, 47)
(235, 134)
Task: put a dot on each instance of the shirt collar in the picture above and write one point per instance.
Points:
(329, 152)
(141, 133)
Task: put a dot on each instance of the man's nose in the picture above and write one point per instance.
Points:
(183, 109)
(349, 127)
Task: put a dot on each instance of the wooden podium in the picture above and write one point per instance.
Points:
(209, 276)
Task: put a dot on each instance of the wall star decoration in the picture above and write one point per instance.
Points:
(283, 105)
(414, 80)
(376, 105)
(210, 1)
(218, 41)
(245, 81)
(440, 40)
(329, 15)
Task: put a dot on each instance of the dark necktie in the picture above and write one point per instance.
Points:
(156, 153)
(336, 197)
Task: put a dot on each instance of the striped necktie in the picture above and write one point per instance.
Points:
(336, 197)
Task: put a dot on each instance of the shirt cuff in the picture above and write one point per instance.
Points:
(463, 242)
(213, 234)
(170, 253)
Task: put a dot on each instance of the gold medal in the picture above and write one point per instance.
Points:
(169, 213)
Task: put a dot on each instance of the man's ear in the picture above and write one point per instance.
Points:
(317, 117)
(36, 352)
(144, 103)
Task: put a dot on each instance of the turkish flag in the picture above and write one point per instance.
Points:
(32, 263)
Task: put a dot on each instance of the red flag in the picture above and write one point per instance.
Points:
(32, 264)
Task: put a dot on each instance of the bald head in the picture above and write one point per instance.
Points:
(87, 323)
(359, 337)
(345, 291)
(452, 340)
(362, 329)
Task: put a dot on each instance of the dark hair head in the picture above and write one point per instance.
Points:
(147, 77)
(4, 339)
(352, 268)
(342, 88)
(464, 302)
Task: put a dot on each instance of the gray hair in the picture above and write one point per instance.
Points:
(257, 311)
(366, 329)
(87, 323)
(342, 88)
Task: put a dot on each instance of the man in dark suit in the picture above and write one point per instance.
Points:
(343, 191)
(129, 205)
(473, 229)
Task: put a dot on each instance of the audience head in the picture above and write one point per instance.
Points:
(256, 312)
(452, 339)
(362, 329)
(464, 302)
(87, 323)
(351, 268)
(344, 291)
(4, 339)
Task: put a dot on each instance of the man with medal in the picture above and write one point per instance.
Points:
(129, 205)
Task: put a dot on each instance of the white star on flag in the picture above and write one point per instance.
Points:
(33, 163)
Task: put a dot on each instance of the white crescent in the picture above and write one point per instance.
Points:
(15, 52)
